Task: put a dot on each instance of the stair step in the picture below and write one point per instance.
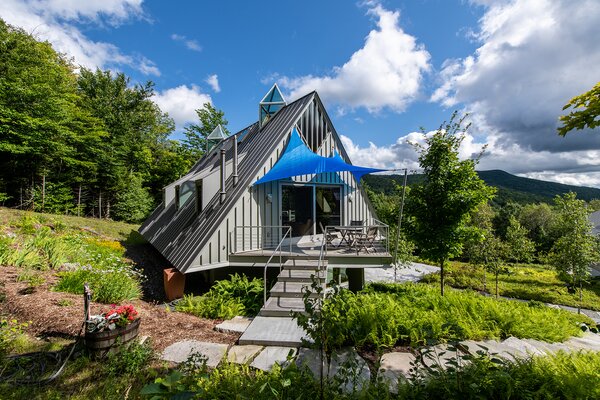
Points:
(304, 264)
(281, 307)
(273, 331)
(290, 289)
(299, 275)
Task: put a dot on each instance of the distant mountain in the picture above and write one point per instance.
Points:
(510, 187)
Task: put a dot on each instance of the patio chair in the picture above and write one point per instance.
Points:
(365, 240)
(329, 235)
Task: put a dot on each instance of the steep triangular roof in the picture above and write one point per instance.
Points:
(217, 134)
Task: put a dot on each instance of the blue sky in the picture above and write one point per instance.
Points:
(383, 68)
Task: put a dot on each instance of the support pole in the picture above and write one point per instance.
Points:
(222, 193)
(400, 223)
(235, 161)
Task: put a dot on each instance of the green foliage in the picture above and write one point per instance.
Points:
(385, 315)
(10, 330)
(130, 360)
(212, 307)
(32, 278)
(585, 112)
(195, 134)
(439, 208)
(107, 286)
(519, 246)
(133, 202)
(527, 282)
(226, 299)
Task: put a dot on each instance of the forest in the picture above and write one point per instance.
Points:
(83, 142)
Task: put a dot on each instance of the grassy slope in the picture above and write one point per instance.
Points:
(116, 230)
(524, 281)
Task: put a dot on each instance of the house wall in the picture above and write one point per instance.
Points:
(253, 209)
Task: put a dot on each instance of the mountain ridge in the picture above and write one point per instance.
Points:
(510, 187)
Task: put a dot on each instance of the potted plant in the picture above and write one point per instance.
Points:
(106, 332)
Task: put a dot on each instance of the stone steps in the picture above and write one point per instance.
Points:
(281, 307)
(290, 289)
(273, 331)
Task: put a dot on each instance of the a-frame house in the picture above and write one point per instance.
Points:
(216, 216)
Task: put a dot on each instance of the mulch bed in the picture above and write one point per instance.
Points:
(57, 314)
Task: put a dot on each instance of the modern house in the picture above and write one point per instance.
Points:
(269, 189)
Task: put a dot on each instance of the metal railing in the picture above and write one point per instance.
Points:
(287, 234)
(320, 264)
(263, 238)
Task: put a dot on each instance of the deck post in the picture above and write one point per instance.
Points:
(356, 279)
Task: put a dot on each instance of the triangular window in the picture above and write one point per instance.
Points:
(215, 137)
(270, 105)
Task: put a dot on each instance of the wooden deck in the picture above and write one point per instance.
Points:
(343, 255)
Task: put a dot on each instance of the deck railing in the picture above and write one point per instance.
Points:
(263, 238)
(278, 248)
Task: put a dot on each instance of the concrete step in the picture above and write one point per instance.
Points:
(273, 331)
(294, 275)
(304, 264)
(291, 289)
(281, 307)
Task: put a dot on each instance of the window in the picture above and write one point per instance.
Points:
(199, 196)
(184, 192)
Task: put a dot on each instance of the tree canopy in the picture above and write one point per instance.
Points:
(195, 134)
(585, 112)
(79, 141)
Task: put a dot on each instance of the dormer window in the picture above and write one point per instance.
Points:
(270, 105)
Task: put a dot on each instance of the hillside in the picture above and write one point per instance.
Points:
(510, 187)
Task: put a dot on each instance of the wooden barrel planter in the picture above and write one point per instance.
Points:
(99, 344)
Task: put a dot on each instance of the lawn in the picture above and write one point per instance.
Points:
(523, 281)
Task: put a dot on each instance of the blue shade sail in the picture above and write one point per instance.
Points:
(297, 159)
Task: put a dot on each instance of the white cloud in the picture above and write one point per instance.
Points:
(385, 73)
(181, 103)
(189, 43)
(54, 20)
(534, 56)
(213, 82)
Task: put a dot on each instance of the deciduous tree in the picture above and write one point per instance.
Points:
(585, 112)
(440, 207)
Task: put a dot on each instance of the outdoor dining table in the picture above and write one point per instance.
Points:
(348, 233)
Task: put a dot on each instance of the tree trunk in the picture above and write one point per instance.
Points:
(485, 279)
(496, 284)
(442, 277)
(100, 205)
(43, 191)
(580, 297)
(79, 201)
(107, 216)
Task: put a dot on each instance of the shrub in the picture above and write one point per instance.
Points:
(107, 286)
(226, 299)
(10, 330)
(130, 360)
(32, 278)
(213, 307)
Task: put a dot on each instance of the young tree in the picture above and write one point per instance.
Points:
(587, 114)
(195, 134)
(573, 253)
(440, 207)
(519, 246)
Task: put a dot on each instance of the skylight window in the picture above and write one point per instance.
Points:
(270, 105)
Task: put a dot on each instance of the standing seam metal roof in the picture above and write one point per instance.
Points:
(181, 234)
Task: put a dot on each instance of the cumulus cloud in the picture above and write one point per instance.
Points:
(181, 103)
(385, 73)
(213, 82)
(534, 56)
(55, 21)
(189, 43)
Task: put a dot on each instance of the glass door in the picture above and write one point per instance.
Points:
(328, 206)
(297, 209)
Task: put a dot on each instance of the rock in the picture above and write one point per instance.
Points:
(443, 356)
(242, 354)
(346, 365)
(272, 355)
(394, 367)
(180, 351)
(234, 325)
